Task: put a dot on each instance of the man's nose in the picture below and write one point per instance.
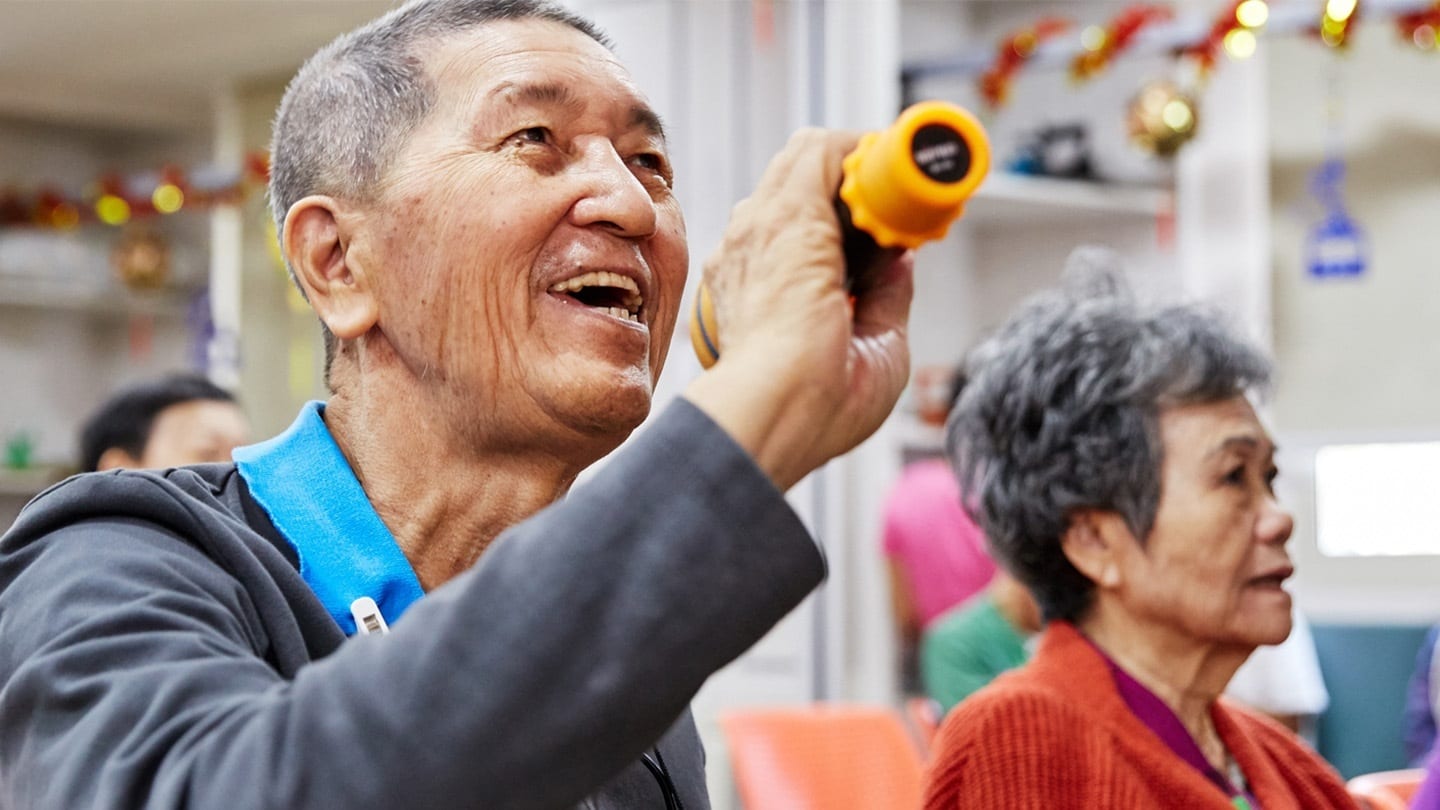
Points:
(613, 197)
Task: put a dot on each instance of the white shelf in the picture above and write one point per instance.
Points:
(1015, 199)
(27, 483)
(22, 291)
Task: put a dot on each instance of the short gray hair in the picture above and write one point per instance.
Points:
(353, 105)
(1061, 413)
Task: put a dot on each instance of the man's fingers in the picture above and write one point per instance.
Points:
(886, 304)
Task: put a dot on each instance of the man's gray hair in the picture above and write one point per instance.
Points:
(353, 105)
(1061, 413)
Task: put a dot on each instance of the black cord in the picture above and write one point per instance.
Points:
(656, 764)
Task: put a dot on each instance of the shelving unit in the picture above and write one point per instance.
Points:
(94, 299)
(27, 483)
(1015, 199)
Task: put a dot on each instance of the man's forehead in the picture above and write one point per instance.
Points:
(534, 61)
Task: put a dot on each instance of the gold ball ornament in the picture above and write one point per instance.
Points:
(141, 260)
(1161, 118)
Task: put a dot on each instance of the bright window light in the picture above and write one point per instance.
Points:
(1378, 500)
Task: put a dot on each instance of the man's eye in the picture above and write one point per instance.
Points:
(653, 164)
(1236, 475)
(534, 135)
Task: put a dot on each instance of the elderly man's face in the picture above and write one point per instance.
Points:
(1213, 565)
(531, 252)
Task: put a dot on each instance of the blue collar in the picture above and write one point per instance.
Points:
(303, 482)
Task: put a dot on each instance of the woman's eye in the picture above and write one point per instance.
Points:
(1236, 475)
(1270, 476)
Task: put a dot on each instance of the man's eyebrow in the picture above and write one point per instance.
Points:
(647, 119)
(563, 96)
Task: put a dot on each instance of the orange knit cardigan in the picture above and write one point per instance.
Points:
(1056, 734)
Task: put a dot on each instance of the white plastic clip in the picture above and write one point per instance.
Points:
(367, 617)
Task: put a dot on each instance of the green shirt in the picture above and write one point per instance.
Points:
(966, 648)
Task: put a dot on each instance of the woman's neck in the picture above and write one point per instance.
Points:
(1186, 674)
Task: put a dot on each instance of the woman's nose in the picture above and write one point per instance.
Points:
(1275, 523)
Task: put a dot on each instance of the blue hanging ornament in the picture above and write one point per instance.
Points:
(1336, 246)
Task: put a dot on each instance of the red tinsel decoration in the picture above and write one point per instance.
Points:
(1206, 52)
(1014, 51)
(49, 208)
(1119, 35)
(1410, 25)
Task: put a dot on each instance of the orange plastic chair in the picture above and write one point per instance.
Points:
(924, 715)
(823, 757)
(1386, 790)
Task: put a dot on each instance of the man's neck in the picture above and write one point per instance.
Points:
(1187, 675)
(443, 500)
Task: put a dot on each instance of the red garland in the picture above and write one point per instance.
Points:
(1409, 24)
(1206, 52)
(49, 208)
(1014, 51)
(1119, 35)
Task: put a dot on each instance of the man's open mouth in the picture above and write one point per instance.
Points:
(611, 293)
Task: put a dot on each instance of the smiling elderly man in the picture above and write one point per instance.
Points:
(477, 202)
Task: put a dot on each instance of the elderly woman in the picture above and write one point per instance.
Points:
(1119, 471)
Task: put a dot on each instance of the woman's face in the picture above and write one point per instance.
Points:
(1214, 563)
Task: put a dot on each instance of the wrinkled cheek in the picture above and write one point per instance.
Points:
(676, 261)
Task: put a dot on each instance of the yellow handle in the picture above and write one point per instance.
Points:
(903, 186)
(704, 331)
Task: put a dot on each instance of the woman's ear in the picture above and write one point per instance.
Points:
(337, 286)
(1092, 542)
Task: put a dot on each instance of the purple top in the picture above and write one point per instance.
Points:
(1428, 796)
(1158, 717)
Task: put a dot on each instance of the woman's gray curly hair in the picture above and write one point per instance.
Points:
(1061, 413)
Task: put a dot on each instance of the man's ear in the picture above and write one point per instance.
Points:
(338, 287)
(1093, 542)
(116, 458)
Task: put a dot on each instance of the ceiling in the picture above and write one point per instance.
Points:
(154, 64)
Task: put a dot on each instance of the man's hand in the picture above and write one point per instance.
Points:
(802, 375)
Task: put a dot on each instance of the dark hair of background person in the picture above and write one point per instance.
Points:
(126, 418)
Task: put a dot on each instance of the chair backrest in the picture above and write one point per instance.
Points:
(1386, 790)
(924, 716)
(823, 757)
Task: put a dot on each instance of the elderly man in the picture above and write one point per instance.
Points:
(477, 202)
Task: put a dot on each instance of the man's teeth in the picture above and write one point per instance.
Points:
(599, 278)
(630, 310)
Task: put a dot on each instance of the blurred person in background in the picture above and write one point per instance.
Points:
(973, 643)
(935, 553)
(170, 422)
(476, 200)
(1422, 700)
(1121, 473)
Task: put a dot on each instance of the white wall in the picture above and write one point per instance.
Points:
(1359, 360)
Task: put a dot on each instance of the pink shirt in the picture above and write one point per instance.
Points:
(936, 544)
